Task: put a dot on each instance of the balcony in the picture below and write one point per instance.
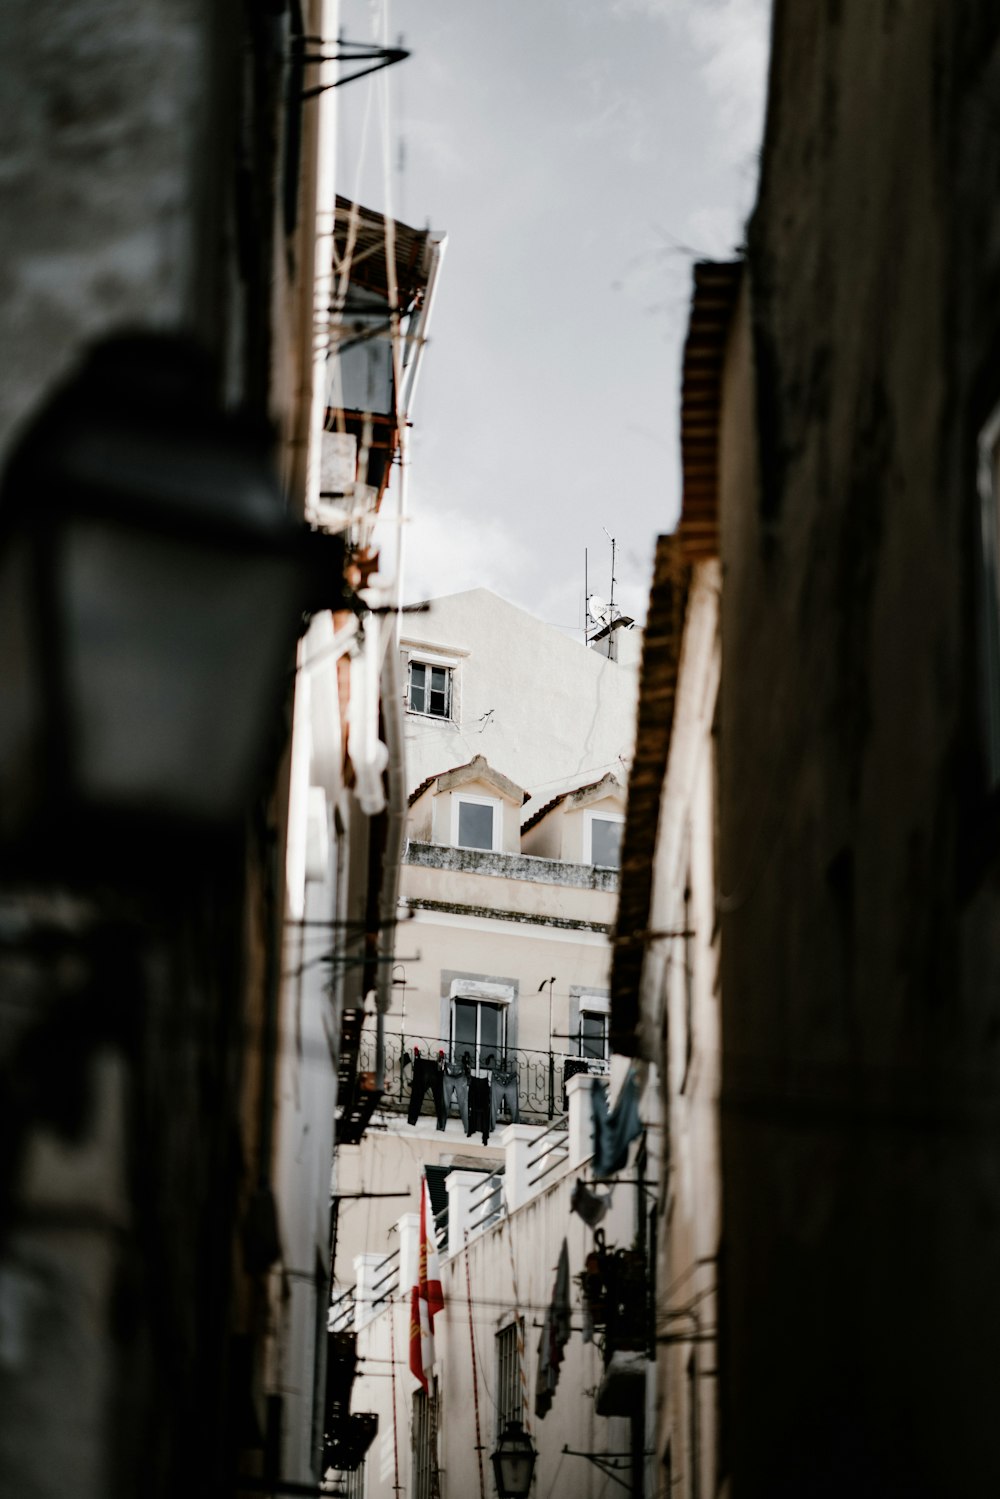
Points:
(541, 1076)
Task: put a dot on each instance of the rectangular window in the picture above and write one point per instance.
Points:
(430, 689)
(476, 822)
(423, 1436)
(594, 1034)
(510, 1403)
(479, 1029)
(589, 1018)
(603, 839)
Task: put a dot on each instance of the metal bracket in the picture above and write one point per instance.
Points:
(351, 52)
(608, 1464)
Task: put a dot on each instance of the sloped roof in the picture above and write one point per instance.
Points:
(369, 264)
(476, 769)
(713, 299)
(607, 782)
(713, 302)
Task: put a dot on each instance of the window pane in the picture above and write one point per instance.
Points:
(475, 825)
(465, 1029)
(605, 842)
(418, 677)
(490, 1032)
(592, 1032)
(438, 704)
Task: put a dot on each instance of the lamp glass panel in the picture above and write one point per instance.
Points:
(516, 1469)
(172, 655)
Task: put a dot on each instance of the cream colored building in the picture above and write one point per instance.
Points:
(499, 1258)
(666, 975)
(518, 742)
(502, 950)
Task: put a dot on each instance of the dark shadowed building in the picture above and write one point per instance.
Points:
(858, 886)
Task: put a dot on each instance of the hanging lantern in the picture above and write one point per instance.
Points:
(152, 586)
(513, 1462)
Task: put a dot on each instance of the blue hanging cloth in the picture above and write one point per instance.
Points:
(614, 1132)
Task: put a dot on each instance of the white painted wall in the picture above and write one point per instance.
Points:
(544, 710)
(689, 1079)
(520, 1251)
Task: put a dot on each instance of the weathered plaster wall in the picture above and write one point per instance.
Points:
(103, 179)
(543, 710)
(679, 1019)
(860, 945)
(522, 1251)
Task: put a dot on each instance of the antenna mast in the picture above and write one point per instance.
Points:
(585, 596)
(614, 547)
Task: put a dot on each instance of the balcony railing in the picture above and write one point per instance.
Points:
(541, 1075)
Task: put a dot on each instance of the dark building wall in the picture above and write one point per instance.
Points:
(860, 936)
(140, 174)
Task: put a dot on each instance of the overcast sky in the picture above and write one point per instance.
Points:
(579, 154)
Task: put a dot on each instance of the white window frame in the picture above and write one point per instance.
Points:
(479, 1058)
(426, 658)
(457, 797)
(589, 818)
(479, 992)
(594, 1004)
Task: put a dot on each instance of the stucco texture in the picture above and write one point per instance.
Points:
(104, 108)
(860, 946)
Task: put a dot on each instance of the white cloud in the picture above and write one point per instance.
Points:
(448, 550)
(731, 40)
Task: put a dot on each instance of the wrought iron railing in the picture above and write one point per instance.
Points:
(340, 1317)
(541, 1075)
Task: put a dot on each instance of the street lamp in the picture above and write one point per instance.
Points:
(152, 586)
(513, 1462)
(552, 1060)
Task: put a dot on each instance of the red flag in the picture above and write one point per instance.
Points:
(426, 1298)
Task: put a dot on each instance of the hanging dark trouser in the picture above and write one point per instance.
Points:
(426, 1074)
(480, 1108)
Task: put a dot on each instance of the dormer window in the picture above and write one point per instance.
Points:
(430, 689)
(602, 842)
(476, 821)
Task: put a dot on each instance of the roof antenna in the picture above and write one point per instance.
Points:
(614, 547)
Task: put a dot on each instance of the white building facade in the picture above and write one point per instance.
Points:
(518, 742)
(500, 1257)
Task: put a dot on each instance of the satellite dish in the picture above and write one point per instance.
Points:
(597, 609)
